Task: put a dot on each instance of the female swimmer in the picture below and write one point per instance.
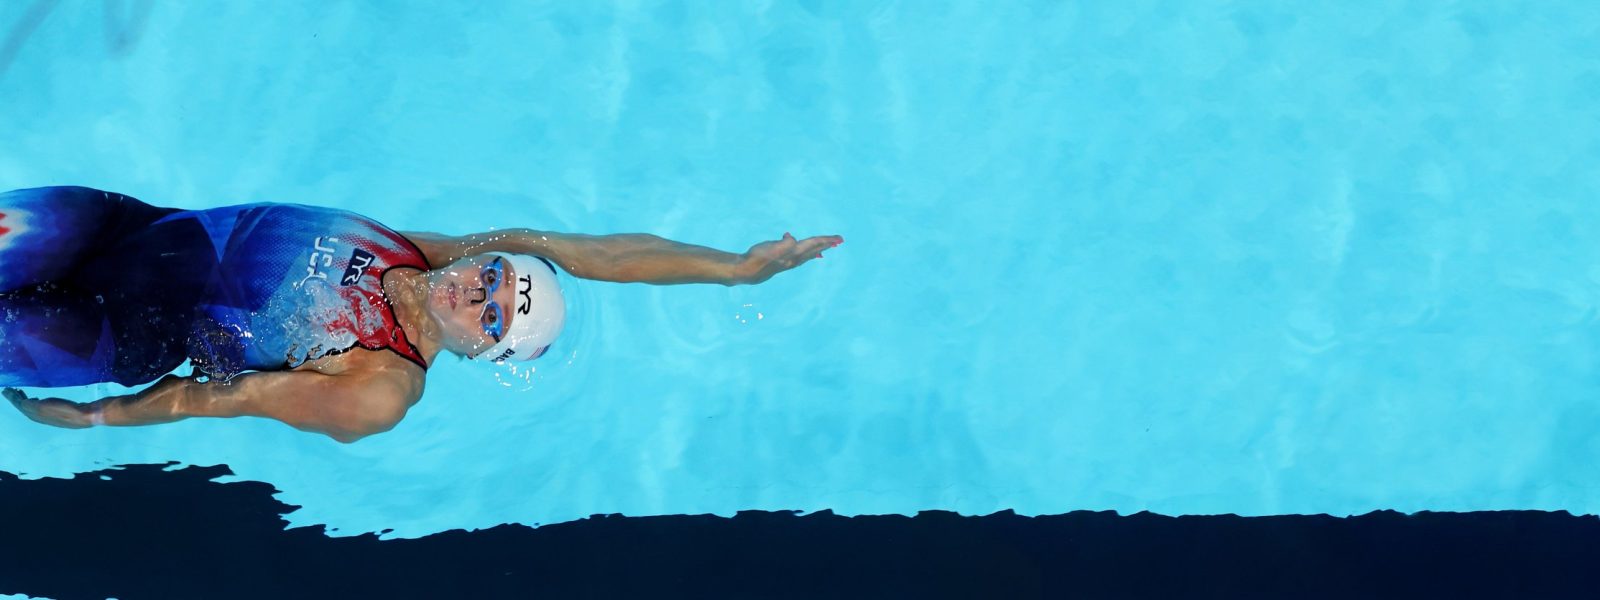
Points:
(319, 318)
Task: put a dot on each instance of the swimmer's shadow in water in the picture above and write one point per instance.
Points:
(150, 531)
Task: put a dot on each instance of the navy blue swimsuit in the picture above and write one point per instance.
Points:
(99, 287)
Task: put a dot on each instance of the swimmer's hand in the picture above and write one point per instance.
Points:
(771, 258)
(51, 411)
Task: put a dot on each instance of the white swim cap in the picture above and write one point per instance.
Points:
(539, 314)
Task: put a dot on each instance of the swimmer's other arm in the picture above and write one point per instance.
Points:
(631, 257)
(343, 407)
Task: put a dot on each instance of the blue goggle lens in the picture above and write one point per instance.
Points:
(492, 275)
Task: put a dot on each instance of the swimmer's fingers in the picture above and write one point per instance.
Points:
(815, 245)
(809, 248)
(14, 395)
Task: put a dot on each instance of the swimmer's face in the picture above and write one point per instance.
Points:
(471, 302)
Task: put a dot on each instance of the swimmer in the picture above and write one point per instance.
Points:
(320, 318)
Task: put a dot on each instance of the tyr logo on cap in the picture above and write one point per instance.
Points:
(526, 291)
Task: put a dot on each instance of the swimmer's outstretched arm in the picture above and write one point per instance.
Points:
(632, 257)
(345, 408)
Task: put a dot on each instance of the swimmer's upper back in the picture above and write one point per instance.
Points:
(289, 284)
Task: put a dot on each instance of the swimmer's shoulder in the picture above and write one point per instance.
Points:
(384, 368)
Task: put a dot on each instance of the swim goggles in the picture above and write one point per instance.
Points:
(493, 317)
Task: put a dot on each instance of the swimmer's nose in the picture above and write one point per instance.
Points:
(483, 294)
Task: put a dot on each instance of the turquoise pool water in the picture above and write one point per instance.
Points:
(1192, 258)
